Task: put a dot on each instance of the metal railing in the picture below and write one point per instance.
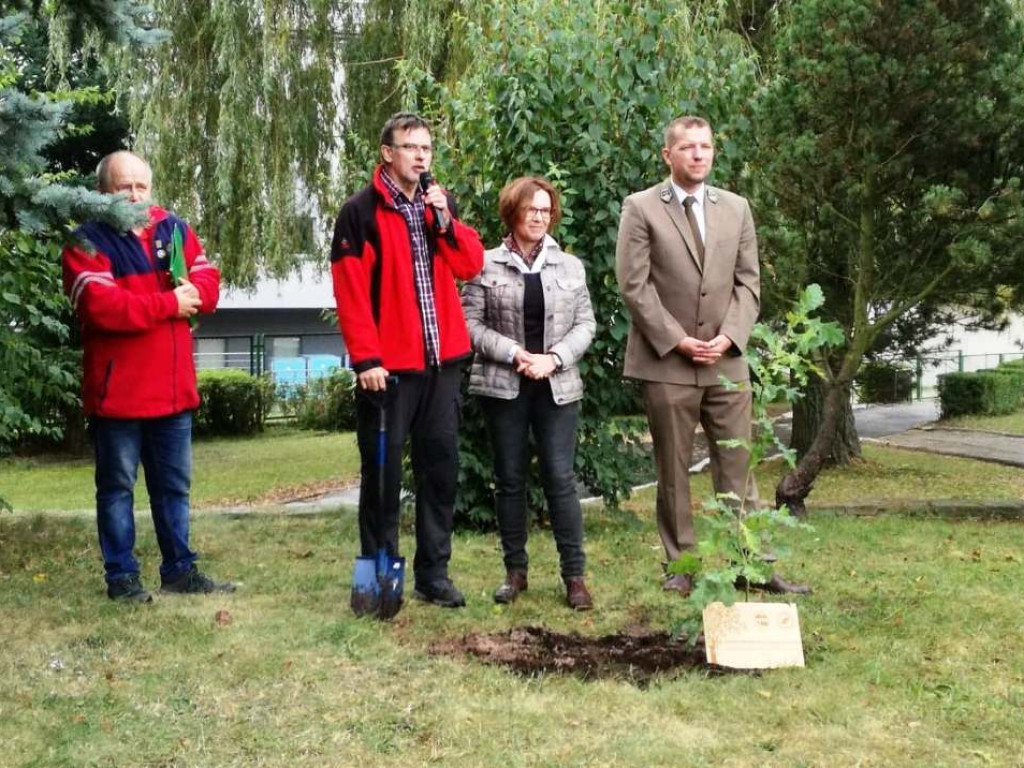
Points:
(929, 368)
(926, 369)
(259, 359)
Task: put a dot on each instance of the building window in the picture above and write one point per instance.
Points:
(284, 346)
(211, 353)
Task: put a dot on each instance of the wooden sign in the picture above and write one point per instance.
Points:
(753, 635)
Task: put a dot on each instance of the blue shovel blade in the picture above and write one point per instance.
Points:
(365, 586)
(391, 577)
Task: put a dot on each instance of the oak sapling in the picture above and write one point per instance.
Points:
(737, 543)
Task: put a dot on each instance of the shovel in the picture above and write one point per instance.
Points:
(378, 582)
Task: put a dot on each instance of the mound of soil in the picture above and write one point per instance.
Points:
(635, 656)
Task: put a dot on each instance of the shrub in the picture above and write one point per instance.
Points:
(328, 402)
(1016, 373)
(980, 392)
(883, 382)
(232, 402)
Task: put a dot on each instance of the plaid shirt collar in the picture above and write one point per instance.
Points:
(397, 195)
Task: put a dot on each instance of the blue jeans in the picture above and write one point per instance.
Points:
(554, 432)
(164, 445)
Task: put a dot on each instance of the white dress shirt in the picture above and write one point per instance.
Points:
(698, 207)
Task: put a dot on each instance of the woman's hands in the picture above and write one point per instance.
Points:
(535, 366)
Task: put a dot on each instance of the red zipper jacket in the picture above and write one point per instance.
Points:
(138, 353)
(375, 287)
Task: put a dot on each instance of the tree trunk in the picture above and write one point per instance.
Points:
(795, 486)
(76, 438)
(808, 417)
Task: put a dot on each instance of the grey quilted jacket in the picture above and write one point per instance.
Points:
(493, 305)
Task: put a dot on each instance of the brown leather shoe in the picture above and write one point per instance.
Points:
(515, 582)
(776, 585)
(577, 596)
(679, 582)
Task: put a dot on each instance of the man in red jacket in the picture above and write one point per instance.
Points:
(139, 385)
(397, 250)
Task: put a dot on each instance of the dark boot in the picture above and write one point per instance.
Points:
(515, 582)
(129, 590)
(195, 582)
(678, 582)
(577, 596)
(441, 592)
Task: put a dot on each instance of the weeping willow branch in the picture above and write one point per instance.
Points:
(238, 114)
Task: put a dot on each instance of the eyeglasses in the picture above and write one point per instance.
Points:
(412, 149)
(538, 213)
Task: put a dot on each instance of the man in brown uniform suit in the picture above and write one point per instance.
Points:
(686, 263)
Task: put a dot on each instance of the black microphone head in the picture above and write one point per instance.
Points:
(426, 179)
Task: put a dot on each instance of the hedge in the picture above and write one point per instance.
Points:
(1015, 372)
(326, 403)
(882, 382)
(232, 402)
(989, 392)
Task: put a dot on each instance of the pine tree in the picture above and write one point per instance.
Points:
(41, 199)
(889, 161)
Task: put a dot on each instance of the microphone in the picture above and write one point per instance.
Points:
(426, 179)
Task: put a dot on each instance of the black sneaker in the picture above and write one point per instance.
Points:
(128, 590)
(194, 582)
(441, 592)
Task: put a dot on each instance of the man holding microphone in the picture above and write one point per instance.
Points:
(397, 251)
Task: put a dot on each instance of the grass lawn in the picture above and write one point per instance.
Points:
(280, 462)
(1011, 423)
(911, 640)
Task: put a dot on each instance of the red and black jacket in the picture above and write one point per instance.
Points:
(138, 353)
(375, 286)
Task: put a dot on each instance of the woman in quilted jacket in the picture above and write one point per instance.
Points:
(530, 321)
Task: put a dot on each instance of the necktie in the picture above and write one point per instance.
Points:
(692, 219)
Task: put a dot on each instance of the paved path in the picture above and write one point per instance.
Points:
(883, 420)
(879, 420)
(971, 444)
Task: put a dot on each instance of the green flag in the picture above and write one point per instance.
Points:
(179, 273)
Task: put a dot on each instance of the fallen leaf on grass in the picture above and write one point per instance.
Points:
(765, 694)
(39, 578)
(222, 618)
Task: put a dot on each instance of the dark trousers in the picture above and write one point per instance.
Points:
(164, 446)
(425, 408)
(554, 432)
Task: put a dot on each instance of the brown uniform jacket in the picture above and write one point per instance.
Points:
(669, 296)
